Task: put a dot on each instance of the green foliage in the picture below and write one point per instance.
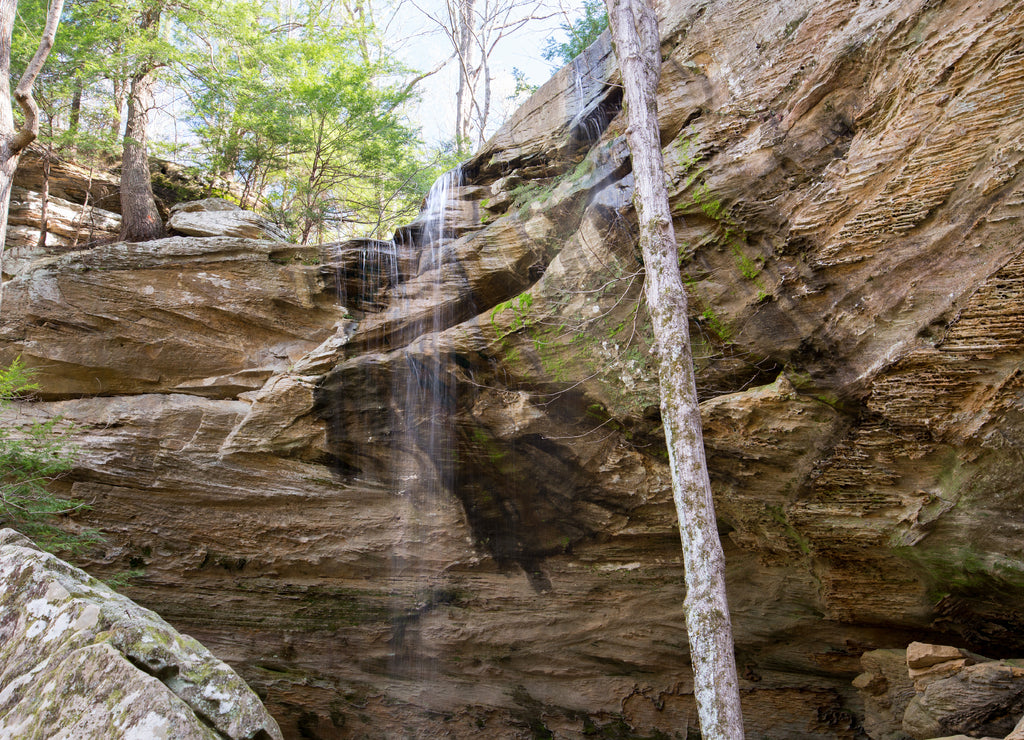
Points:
(520, 307)
(304, 116)
(293, 109)
(31, 456)
(581, 33)
(714, 322)
(749, 268)
(523, 89)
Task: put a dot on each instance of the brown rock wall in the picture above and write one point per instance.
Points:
(256, 433)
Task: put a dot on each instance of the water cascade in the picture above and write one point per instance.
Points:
(402, 294)
(422, 444)
(592, 103)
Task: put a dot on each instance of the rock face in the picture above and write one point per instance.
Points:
(78, 660)
(68, 225)
(929, 691)
(218, 217)
(419, 488)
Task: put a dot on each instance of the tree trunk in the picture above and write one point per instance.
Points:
(76, 111)
(44, 196)
(464, 96)
(120, 93)
(140, 219)
(8, 156)
(485, 70)
(13, 141)
(637, 46)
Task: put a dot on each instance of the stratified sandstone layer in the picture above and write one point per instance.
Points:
(263, 435)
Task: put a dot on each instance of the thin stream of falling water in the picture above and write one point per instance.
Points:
(422, 444)
(588, 84)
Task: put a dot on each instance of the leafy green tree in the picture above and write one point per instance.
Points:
(580, 33)
(146, 52)
(293, 109)
(305, 117)
(31, 457)
(84, 86)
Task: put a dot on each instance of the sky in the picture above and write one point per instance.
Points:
(421, 46)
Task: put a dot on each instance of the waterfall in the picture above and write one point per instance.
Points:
(391, 407)
(423, 398)
(592, 105)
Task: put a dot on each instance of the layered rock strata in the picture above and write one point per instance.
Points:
(419, 487)
(927, 691)
(78, 660)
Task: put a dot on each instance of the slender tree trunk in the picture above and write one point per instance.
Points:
(8, 154)
(44, 196)
(13, 141)
(76, 109)
(637, 46)
(140, 219)
(486, 112)
(464, 96)
(120, 95)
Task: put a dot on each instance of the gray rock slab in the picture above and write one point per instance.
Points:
(78, 660)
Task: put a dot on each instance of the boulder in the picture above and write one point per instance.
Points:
(218, 217)
(78, 660)
(932, 691)
(982, 699)
(886, 690)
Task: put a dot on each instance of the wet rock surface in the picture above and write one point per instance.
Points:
(419, 487)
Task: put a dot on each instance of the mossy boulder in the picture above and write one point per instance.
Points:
(78, 660)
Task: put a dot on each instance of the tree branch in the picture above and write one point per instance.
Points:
(23, 92)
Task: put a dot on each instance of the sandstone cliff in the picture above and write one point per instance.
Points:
(419, 487)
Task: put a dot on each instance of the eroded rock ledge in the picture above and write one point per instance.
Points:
(848, 181)
(927, 691)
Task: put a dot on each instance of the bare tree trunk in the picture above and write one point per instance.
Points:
(44, 196)
(140, 219)
(86, 209)
(76, 109)
(637, 46)
(464, 96)
(486, 112)
(13, 141)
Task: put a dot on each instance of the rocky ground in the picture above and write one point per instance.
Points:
(411, 490)
(78, 660)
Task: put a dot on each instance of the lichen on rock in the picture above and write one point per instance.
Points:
(78, 660)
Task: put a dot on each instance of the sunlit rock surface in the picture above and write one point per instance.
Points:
(78, 660)
(218, 217)
(68, 225)
(261, 434)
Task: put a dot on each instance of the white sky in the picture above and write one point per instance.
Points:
(427, 47)
(421, 46)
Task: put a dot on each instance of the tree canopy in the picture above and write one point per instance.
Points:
(295, 109)
(580, 33)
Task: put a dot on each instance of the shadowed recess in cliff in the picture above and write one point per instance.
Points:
(392, 417)
(406, 416)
